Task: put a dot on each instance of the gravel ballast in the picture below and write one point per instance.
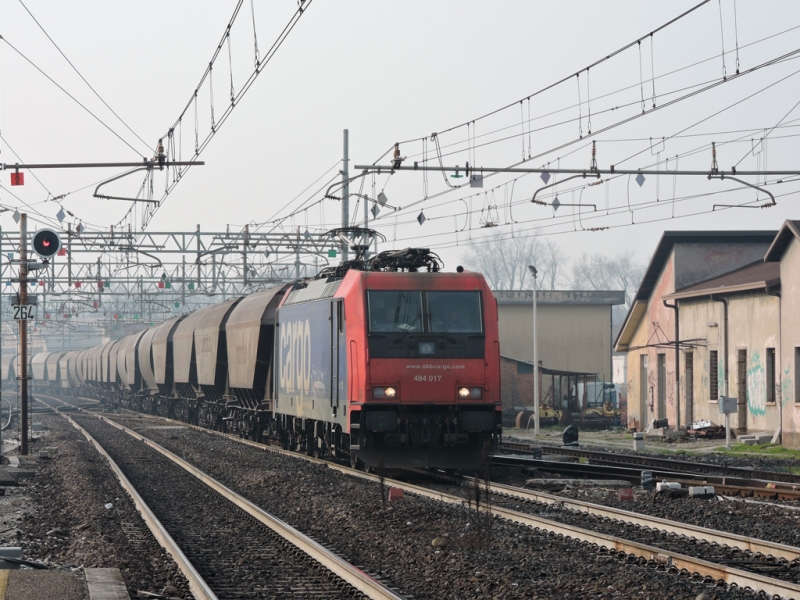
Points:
(70, 526)
(397, 542)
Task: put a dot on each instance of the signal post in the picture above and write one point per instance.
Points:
(46, 243)
(23, 334)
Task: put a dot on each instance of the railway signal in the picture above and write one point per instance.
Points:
(46, 243)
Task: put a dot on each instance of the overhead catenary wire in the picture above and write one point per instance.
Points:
(685, 129)
(549, 222)
(74, 68)
(150, 210)
(791, 110)
(612, 93)
(78, 102)
(472, 137)
(569, 77)
(412, 204)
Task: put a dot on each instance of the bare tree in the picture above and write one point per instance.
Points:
(598, 272)
(551, 262)
(504, 261)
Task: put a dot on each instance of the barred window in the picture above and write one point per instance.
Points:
(713, 375)
(770, 375)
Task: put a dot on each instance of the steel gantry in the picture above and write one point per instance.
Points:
(102, 283)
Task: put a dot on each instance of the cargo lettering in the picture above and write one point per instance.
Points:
(295, 344)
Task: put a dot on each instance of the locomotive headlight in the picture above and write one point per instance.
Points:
(476, 392)
(384, 392)
(463, 392)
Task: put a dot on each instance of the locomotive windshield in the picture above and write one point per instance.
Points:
(395, 311)
(454, 312)
(431, 324)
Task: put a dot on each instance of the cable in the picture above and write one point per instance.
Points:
(50, 221)
(736, 32)
(722, 40)
(659, 107)
(770, 131)
(149, 211)
(757, 92)
(609, 94)
(74, 68)
(98, 119)
(624, 209)
(14, 152)
(594, 64)
(313, 183)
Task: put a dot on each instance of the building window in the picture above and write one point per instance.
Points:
(689, 376)
(662, 386)
(741, 398)
(713, 375)
(797, 375)
(643, 417)
(524, 368)
(771, 375)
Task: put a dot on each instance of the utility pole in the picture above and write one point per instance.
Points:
(535, 360)
(366, 239)
(23, 334)
(2, 378)
(345, 190)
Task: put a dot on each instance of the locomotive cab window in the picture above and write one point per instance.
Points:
(425, 324)
(399, 311)
(454, 312)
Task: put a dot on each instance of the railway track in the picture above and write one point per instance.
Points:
(668, 464)
(755, 554)
(225, 546)
(754, 551)
(703, 534)
(602, 464)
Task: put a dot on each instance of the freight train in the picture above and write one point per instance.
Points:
(386, 362)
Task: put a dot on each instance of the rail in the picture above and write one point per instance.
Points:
(730, 485)
(197, 585)
(334, 563)
(669, 559)
(711, 536)
(658, 462)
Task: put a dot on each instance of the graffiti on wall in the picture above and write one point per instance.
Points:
(787, 386)
(670, 383)
(704, 380)
(756, 386)
(652, 385)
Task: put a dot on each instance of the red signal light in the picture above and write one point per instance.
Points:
(46, 243)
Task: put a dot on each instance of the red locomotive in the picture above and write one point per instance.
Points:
(386, 361)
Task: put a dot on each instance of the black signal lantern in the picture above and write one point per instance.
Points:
(46, 243)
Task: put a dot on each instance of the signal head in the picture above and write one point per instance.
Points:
(46, 243)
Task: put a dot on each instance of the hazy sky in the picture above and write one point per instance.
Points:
(400, 71)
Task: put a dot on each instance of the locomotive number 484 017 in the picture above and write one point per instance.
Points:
(427, 377)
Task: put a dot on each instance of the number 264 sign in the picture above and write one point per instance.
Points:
(24, 312)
